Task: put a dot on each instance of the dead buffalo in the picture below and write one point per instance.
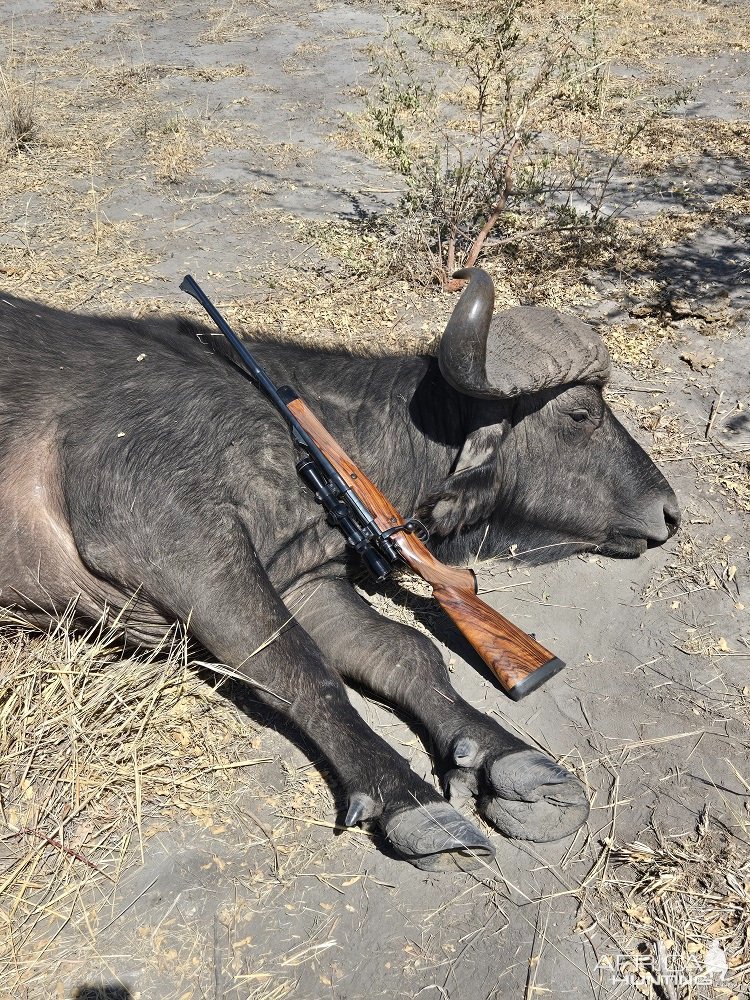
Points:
(139, 470)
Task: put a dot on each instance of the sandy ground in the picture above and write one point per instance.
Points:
(183, 137)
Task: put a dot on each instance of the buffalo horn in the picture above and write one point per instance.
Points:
(463, 346)
(522, 350)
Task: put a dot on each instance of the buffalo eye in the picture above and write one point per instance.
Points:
(580, 415)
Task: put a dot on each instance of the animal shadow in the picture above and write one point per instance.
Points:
(91, 992)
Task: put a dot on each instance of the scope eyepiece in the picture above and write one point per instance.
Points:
(375, 563)
(321, 488)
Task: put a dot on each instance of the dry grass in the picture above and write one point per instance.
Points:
(680, 906)
(688, 28)
(58, 242)
(83, 6)
(725, 475)
(176, 145)
(19, 123)
(98, 750)
(303, 57)
(339, 291)
(696, 566)
(228, 23)
(354, 304)
(678, 141)
(61, 241)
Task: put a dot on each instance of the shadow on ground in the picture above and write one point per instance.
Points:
(90, 992)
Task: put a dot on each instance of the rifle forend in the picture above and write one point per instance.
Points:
(516, 659)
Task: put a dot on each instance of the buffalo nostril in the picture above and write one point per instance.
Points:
(672, 516)
(659, 520)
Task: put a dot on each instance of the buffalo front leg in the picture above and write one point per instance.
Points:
(221, 589)
(519, 790)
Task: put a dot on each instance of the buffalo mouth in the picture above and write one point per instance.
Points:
(623, 546)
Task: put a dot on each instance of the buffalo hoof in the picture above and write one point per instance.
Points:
(528, 796)
(436, 838)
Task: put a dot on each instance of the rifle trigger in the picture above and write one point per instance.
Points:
(412, 526)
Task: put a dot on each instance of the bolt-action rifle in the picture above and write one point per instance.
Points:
(383, 539)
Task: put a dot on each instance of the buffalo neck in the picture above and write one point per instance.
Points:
(396, 416)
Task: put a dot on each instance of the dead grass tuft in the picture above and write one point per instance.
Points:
(19, 125)
(694, 566)
(97, 749)
(682, 905)
(174, 153)
(227, 23)
(80, 6)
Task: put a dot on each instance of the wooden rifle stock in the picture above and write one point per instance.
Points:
(517, 660)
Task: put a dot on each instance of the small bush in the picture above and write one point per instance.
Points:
(480, 106)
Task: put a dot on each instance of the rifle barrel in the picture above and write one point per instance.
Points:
(280, 397)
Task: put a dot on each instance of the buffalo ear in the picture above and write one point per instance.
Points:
(469, 494)
(481, 447)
